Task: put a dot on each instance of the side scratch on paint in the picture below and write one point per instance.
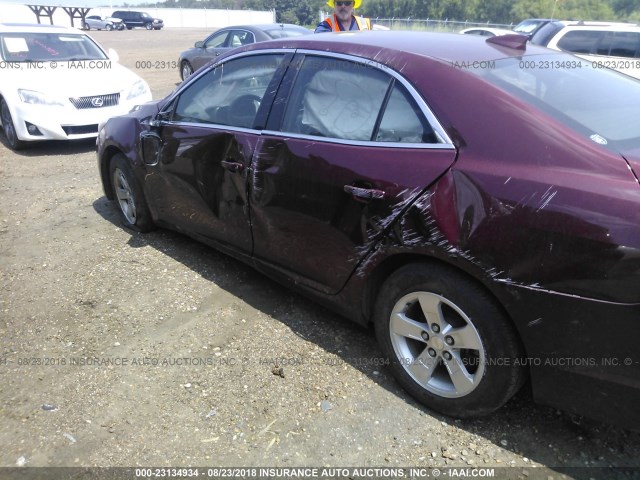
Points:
(546, 198)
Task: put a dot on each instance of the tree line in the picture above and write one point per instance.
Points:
(486, 11)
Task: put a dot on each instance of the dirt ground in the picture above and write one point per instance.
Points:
(123, 349)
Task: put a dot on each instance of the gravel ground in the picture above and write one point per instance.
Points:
(122, 349)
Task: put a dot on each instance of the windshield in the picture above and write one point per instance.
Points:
(528, 26)
(36, 47)
(597, 102)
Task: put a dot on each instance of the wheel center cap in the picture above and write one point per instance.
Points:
(437, 343)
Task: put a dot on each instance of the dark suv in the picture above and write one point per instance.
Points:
(138, 19)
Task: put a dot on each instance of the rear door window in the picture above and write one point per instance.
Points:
(347, 100)
(625, 44)
(581, 41)
(336, 98)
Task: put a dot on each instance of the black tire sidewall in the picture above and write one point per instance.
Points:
(144, 222)
(501, 379)
(16, 144)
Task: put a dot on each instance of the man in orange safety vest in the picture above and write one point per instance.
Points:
(343, 18)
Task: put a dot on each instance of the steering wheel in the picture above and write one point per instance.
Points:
(243, 110)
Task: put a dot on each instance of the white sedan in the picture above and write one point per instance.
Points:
(57, 83)
(102, 23)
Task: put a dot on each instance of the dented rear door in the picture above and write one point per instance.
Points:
(354, 146)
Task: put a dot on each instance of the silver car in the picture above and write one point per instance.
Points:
(102, 23)
(227, 38)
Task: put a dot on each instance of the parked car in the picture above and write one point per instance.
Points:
(59, 84)
(133, 19)
(354, 169)
(486, 31)
(230, 37)
(615, 45)
(102, 23)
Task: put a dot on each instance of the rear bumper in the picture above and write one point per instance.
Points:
(582, 354)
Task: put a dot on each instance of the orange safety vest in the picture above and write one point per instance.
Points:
(362, 22)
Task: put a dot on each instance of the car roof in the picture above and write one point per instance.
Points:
(610, 27)
(498, 31)
(263, 26)
(36, 28)
(448, 47)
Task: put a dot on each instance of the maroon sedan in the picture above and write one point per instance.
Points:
(476, 201)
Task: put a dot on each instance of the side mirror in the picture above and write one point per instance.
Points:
(199, 44)
(113, 55)
(160, 118)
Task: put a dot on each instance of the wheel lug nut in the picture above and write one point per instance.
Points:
(447, 356)
(435, 327)
(425, 336)
(431, 352)
(449, 340)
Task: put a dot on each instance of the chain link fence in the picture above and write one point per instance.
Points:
(428, 24)
(434, 25)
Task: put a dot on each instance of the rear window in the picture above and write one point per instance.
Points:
(546, 33)
(599, 103)
(528, 26)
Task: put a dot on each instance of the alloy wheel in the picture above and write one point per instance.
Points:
(437, 344)
(124, 196)
(186, 70)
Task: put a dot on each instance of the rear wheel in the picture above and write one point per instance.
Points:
(9, 128)
(128, 194)
(449, 344)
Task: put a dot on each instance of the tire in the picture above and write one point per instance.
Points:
(108, 27)
(128, 194)
(9, 128)
(449, 344)
(186, 70)
(148, 26)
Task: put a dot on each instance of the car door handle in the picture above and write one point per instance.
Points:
(364, 193)
(232, 166)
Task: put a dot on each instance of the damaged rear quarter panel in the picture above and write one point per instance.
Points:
(529, 201)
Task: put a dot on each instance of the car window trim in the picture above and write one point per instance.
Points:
(215, 34)
(246, 31)
(438, 129)
(192, 78)
(294, 56)
(171, 103)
